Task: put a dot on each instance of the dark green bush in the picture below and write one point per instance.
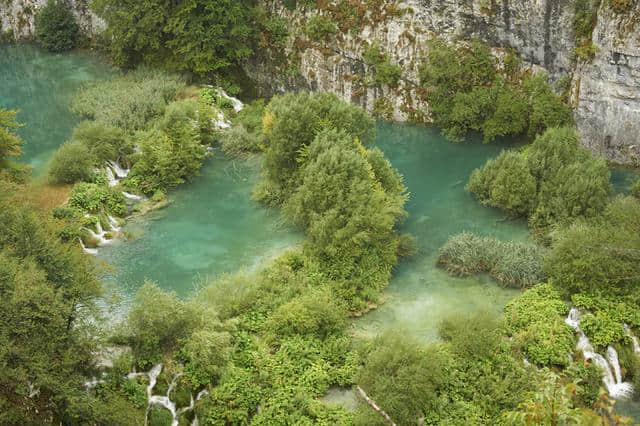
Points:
(320, 28)
(95, 198)
(72, 163)
(384, 72)
(56, 27)
(105, 143)
(552, 181)
(466, 92)
(602, 256)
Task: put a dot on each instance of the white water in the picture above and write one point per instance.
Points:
(87, 250)
(611, 373)
(132, 196)
(165, 400)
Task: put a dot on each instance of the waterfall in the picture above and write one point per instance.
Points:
(87, 250)
(165, 400)
(132, 196)
(119, 171)
(113, 223)
(634, 339)
(611, 374)
(110, 177)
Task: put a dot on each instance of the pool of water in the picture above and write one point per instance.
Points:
(211, 227)
(41, 85)
(436, 171)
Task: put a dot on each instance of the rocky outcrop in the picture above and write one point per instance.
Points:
(606, 91)
(608, 106)
(17, 18)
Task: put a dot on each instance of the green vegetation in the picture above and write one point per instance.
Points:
(56, 27)
(96, 198)
(535, 320)
(601, 255)
(72, 163)
(510, 263)
(128, 102)
(467, 91)
(47, 321)
(320, 28)
(552, 181)
(10, 146)
(199, 36)
(347, 199)
(384, 72)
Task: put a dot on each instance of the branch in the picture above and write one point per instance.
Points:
(375, 406)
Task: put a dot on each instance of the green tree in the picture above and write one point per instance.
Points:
(72, 163)
(47, 321)
(10, 144)
(56, 27)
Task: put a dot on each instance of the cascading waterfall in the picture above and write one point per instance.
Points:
(87, 250)
(165, 400)
(611, 373)
(634, 339)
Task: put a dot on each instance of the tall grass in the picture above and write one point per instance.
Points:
(511, 263)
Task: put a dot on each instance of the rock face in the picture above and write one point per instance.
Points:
(17, 18)
(606, 91)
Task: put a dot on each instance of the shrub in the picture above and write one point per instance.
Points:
(129, 102)
(105, 143)
(511, 263)
(205, 353)
(56, 27)
(320, 28)
(602, 329)
(238, 142)
(602, 256)
(95, 198)
(553, 180)
(316, 313)
(403, 377)
(466, 91)
(384, 71)
(292, 121)
(72, 163)
(535, 319)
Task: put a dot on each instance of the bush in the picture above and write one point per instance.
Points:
(601, 256)
(316, 313)
(602, 329)
(553, 180)
(95, 198)
(56, 27)
(292, 121)
(129, 102)
(105, 143)
(466, 91)
(72, 163)
(536, 320)
(511, 263)
(403, 378)
(320, 28)
(385, 73)
(238, 142)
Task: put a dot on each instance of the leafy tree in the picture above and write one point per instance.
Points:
(47, 322)
(72, 163)
(291, 123)
(197, 36)
(554, 180)
(56, 27)
(603, 255)
(104, 142)
(10, 144)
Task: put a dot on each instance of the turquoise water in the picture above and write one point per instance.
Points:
(436, 171)
(211, 227)
(41, 85)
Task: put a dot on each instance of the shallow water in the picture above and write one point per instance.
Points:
(211, 227)
(41, 85)
(436, 171)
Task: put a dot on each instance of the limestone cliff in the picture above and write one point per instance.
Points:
(606, 91)
(17, 18)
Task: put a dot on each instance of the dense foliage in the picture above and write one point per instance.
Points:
(348, 199)
(10, 144)
(554, 180)
(197, 36)
(49, 291)
(602, 255)
(56, 27)
(467, 90)
(511, 263)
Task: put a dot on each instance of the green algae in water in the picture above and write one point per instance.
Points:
(436, 172)
(211, 227)
(41, 84)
